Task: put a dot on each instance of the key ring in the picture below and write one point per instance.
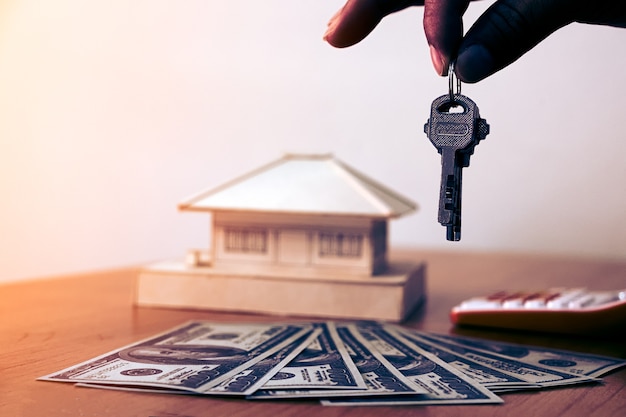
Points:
(451, 82)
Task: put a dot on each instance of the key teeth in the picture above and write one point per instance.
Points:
(482, 129)
(453, 233)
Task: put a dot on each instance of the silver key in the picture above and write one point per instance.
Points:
(455, 128)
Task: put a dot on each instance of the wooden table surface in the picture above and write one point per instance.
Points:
(49, 324)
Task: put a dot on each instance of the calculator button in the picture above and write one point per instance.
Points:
(480, 304)
(563, 300)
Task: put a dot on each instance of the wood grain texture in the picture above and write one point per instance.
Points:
(49, 324)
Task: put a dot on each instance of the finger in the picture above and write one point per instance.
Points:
(602, 12)
(506, 31)
(358, 18)
(443, 25)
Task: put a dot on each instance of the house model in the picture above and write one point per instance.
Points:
(305, 235)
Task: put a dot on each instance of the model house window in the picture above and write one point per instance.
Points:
(246, 240)
(341, 245)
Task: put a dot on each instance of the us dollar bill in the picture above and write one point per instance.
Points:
(443, 384)
(488, 377)
(324, 364)
(242, 384)
(193, 357)
(249, 380)
(560, 360)
(528, 372)
(380, 376)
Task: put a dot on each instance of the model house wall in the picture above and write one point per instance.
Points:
(352, 245)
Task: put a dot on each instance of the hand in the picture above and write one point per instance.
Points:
(507, 30)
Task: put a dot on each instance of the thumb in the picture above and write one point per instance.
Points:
(505, 32)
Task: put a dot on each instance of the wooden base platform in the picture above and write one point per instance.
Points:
(390, 296)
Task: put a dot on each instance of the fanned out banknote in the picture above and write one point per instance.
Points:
(380, 376)
(245, 382)
(560, 360)
(344, 363)
(528, 372)
(323, 364)
(442, 383)
(194, 357)
(488, 377)
(251, 379)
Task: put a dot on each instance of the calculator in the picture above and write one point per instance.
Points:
(557, 310)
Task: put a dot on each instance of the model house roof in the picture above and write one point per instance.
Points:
(303, 184)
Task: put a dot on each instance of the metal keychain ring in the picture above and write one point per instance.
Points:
(451, 82)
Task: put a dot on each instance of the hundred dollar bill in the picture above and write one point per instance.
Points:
(249, 380)
(194, 357)
(561, 360)
(245, 382)
(380, 376)
(528, 372)
(443, 383)
(324, 364)
(488, 377)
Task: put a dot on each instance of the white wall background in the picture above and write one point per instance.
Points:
(113, 111)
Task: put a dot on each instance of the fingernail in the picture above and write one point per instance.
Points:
(438, 62)
(327, 33)
(474, 64)
(331, 25)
